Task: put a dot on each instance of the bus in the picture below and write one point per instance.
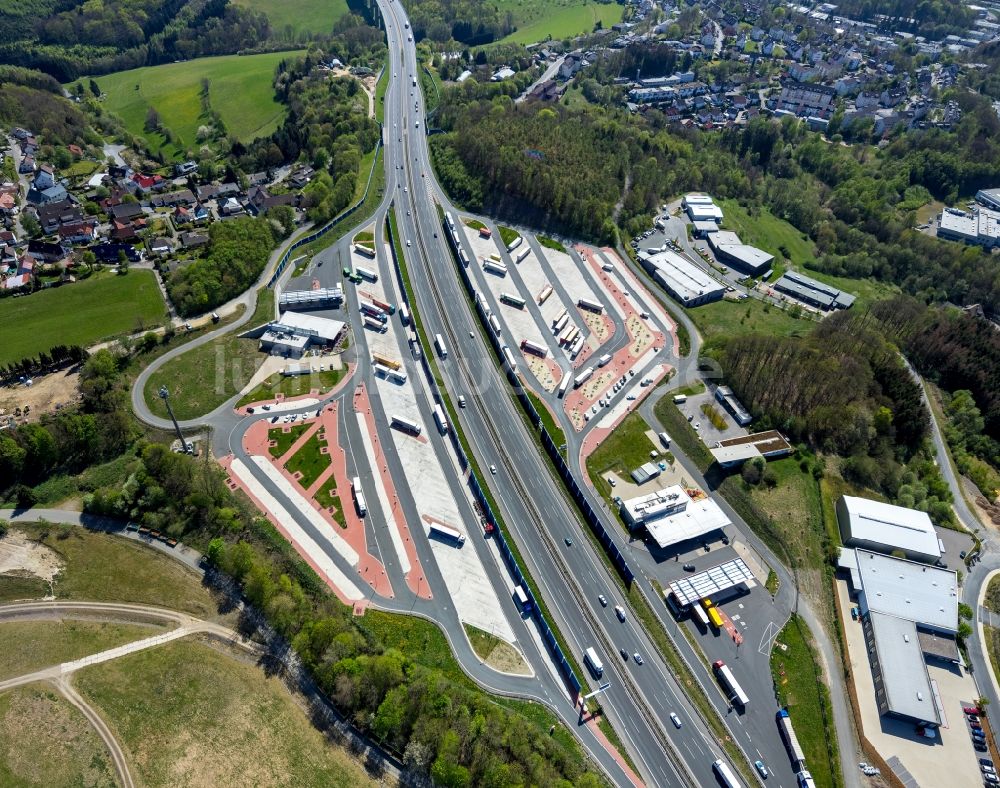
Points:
(512, 300)
(522, 598)
(790, 739)
(442, 349)
(447, 534)
(439, 417)
(405, 425)
(359, 497)
(593, 662)
(564, 384)
(725, 774)
(404, 314)
(732, 686)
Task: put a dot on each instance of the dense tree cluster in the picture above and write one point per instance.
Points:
(97, 429)
(327, 123)
(48, 114)
(237, 253)
(930, 18)
(471, 22)
(843, 389)
(47, 361)
(67, 38)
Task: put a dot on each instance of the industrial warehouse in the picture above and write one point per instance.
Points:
(909, 612)
(731, 250)
(682, 278)
(294, 333)
(874, 525)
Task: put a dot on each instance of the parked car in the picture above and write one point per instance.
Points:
(973, 718)
(971, 709)
(688, 567)
(985, 762)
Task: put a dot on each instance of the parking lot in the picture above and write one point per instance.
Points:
(710, 434)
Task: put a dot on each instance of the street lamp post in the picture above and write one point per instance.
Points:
(165, 396)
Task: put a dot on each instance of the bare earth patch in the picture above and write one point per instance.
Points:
(42, 396)
(22, 557)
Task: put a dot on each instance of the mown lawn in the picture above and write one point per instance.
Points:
(309, 460)
(284, 440)
(801, 688)
(83, 313)
(624, 450)
(240, 91)
(724, 319)
(291, 18)
(190, 715)
(557, 18)
(293, 385)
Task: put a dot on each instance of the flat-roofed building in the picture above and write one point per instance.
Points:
(874, 525)
(769, 444)
(730, 249)
(981, 227)
(812, 292)
(725, 397)
(682, 278)
(990, 198)
(294, 333)
(909, 612)
(670, 515)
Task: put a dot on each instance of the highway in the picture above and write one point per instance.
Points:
(545, 527)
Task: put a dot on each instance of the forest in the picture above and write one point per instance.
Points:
(932, 19)
(238, 250)
(440, 726)
(470, 22)
(68, 38)
(844, 390)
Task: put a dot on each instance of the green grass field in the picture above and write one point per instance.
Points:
(284, 440)
(557, 18)
(293, 385)
(296, 17)
(46, 741)
(800, 686)
(26, 646)
(189, 715)
(240, 91)
(206, 376)
(621, 452)
(84, 313)
(724, 319)
(309, 461)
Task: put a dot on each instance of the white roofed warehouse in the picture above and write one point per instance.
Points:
(884, 528)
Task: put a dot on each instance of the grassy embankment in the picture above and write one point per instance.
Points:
(291, 19)
(309, 460)
(293, 385)
(99, 308)
(800, 685)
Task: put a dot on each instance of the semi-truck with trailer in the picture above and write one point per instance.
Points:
(728, 681)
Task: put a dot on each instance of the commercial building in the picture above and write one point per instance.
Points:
(731, 250)
(909, 612)
(725, 397)
(990, 198)
(981, 227)
(670, 515)
(294, 333)
(814, 293)
(682, 278)
(882, 527)
(320, 298)
(770, 444)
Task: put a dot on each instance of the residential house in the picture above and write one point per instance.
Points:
(300, 177)
(27, 165)
(160, 246)
(47, 252)
(171, 199)
(7, 203)
(231, 207)
(53, 194)
(126, 212)
(45, 178)
(193, 240)
(51, 216)
(260, 200)
(77, 233)
(147, 183)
